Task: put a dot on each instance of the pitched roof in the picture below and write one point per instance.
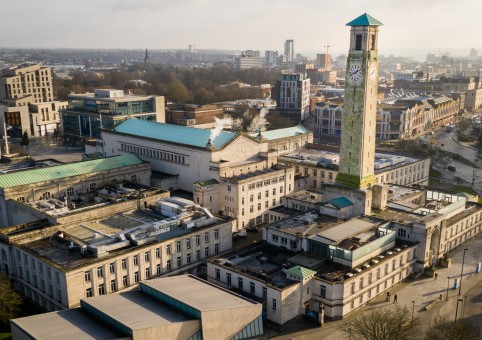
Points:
(173, 133)
(300, 272)
(17, 178)
(283, 133)
(340, 202)
(365, 20)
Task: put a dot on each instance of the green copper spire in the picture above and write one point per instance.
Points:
(365, 20)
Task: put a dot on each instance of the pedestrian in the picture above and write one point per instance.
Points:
(395, 298)
(435, 276)
(388, 296)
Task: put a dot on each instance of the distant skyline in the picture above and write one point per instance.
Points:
(411, 27)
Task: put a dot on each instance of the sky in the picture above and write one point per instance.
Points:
(411, 27)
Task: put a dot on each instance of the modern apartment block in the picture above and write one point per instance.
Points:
(110, 243)
(292, 93)
(25, 84)
(27, 98)
(88, 113)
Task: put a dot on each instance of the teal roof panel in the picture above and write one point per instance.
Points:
(365, 20)
(282, 133)
(340, 202)
(173, 133)
(24, 177)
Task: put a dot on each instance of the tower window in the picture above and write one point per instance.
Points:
(373, 42)
(358, 42)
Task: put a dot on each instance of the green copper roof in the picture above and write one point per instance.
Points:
(51, 173)
(211, 181)
(340, 202)
(173, 133)
(365, 20)
(282, 133)
(300, 272)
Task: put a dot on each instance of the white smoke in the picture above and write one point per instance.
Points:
(237, 124)
(259, 122)
(220, 124)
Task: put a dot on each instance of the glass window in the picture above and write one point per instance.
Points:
(87, 276)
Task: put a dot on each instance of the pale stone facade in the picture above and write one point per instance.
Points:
(247, 197)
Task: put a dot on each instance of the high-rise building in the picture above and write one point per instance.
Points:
(292, 93)
(357, 156)
(323, 61)
(271, 57)
(289, 51)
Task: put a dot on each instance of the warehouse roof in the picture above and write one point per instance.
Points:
(173, 133)
(17, 178)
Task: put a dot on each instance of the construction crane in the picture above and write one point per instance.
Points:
(327, 56)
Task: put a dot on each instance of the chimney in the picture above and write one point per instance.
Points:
(209, 145)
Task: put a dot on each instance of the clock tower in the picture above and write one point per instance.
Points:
(357, 153)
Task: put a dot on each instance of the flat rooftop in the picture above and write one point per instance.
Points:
(66, 324)
(306, 196)
(328, 157)
(139, 311)
(268, 263)
(103, 196)
(87, 242)
(198, 294)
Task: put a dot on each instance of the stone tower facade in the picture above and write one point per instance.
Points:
(357, 155)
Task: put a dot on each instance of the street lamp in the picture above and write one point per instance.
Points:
(413, 309)
(462, 272)
(456, 310)
(448, 282)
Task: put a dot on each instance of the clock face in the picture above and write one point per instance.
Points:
(372, 70)
(355, 72)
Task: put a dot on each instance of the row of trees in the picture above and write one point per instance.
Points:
(398, 324)
(177, 84)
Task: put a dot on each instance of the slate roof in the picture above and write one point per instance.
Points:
(365, 20)
(173, 133)
(23, 177)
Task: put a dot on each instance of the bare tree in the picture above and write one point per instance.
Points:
(10, 301)
(392, 324)
(443, 329)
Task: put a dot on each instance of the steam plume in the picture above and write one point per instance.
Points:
(220, 124)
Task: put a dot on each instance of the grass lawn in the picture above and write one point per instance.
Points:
(5, 336)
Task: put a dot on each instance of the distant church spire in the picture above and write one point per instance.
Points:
(147, 59)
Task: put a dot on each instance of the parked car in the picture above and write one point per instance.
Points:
(451, 168)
